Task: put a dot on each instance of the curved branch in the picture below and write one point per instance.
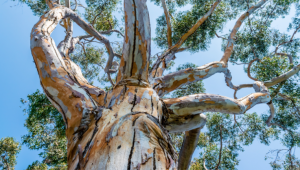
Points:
(160, 65)
(249, 69)
(61, 79)
(199, 103)
(187, 148)
(231, 37)
(173, 81)
(283, 77)
(288, 55)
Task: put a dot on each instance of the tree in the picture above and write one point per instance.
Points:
(9, 149)
(127, 125)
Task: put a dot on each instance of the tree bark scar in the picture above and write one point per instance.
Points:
(152, 105)
(131, 152)
(134, 39)
(154, 160)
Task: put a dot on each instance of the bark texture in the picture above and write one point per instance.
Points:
(127, 127)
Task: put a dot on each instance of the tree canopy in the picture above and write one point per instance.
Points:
(265, 52)
(9, 148)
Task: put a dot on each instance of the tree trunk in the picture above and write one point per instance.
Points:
(120, 129)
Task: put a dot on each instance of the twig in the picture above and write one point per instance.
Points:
(291, 40)
(112, 30)
(220, 36)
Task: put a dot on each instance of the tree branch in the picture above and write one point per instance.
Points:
(169, 31)
(112, 30)
(173, 81)
(249, 69)
(231, 37)
(288, 55)
(282, 77)
(160, 65)
(188, 147)
(199, 103)
(221, 146)
(62, 79)
(136, 48)
(291, 39)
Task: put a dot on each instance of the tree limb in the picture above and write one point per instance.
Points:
(221, 147)
(169, 30)
(173, 81)
(188, 147)
(231, 37)
(282, 77)
(199, 103)
(160, 65)
(288, 55)
(249, 69)
(112, 30)
(291, 39)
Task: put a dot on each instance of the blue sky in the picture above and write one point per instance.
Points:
(19, 77)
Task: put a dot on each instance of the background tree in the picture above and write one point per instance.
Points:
(9, 148)
(272, 55)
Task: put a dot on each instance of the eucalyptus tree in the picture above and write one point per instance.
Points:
(127, 125)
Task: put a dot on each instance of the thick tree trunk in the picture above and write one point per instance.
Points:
(117, 130)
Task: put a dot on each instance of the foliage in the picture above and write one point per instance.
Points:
(46, 130)
(9, 148)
